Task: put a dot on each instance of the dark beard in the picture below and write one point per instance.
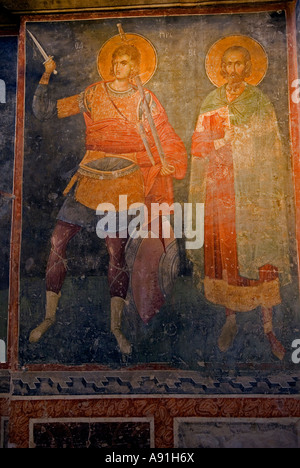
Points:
(235, 79)
(235, 89)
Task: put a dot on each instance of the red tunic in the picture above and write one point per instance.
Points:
(220, 248)
(112, 128)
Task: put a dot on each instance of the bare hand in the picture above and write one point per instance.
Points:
(229, 135)
(50, 66)
(167, 170)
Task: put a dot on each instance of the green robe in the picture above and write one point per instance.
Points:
(260, 182)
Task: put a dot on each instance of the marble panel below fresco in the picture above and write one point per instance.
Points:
(237, 433)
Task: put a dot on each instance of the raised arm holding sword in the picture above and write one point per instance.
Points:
(131, 149)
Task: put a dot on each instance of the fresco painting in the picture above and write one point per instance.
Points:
(118, 161)
(173, 118)
(149, 285)
(8, 88)
(245, 184)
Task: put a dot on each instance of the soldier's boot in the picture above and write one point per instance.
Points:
(277, 348)
(51, 306)
(228, 332)
(117, 307)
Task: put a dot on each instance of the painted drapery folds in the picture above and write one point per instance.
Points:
(212, 128)
(246, 234)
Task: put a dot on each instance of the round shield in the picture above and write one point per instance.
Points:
(169, 268)
(154, 265)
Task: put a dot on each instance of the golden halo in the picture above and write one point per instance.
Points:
(259, 59)
(147, 51)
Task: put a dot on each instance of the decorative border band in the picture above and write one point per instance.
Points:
(145, 383)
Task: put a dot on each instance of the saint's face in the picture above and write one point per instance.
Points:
(234, 67)
(122, 67)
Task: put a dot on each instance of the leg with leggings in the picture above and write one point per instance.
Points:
(118, 279)
(55, 275)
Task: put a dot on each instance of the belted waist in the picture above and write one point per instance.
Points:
(92, 155)
(106, 175)
(94, 185)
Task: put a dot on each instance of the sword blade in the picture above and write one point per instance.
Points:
(38, 45)
(41, 50)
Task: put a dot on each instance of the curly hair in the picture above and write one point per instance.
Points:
(133, 53)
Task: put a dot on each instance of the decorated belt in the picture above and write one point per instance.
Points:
(107, 175)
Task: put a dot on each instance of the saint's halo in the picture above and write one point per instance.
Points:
(258, 54)
(146, 49)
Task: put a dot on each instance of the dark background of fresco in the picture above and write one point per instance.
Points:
(54, 149)
(8, 73)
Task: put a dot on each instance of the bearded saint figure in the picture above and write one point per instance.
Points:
(116, 163)
(238, 172)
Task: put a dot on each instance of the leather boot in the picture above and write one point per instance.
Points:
(276, 347)
(51, 306)
(117, 306)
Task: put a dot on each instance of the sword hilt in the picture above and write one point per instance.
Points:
(50, 58)
(10, 196)
(122, 33)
